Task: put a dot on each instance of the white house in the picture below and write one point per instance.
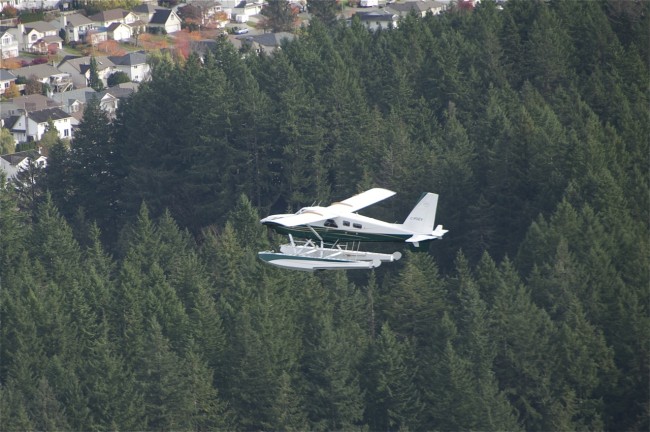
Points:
(37, 36)
(246, 9)
(420, 7)
(76, 26)
(119, 31)
(378, 19)
(9, 45)
(12, 164)
(134, 64)
(30, 4)
(31, 126)
(6, 78)
(164, 20)
(108, 17)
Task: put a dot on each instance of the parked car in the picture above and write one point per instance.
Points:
(239, 30)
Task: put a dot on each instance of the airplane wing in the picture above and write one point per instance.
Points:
(357, 202)
(312, 215)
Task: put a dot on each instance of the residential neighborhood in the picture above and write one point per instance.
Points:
(55, 56)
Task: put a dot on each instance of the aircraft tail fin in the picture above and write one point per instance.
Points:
(423, 216)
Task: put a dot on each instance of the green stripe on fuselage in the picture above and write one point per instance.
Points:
(333, 235)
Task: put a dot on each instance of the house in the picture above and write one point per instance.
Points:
(146, 11)
(379, 19)
(419, 7)
(9, 44)
(6, 78)
(79, 69)
(267, 42)
(30, 4)
(108, 102)
(48, 45)
(56, 79)
(134, 64)
(76, 26)
(119, 31)
(109, 99)
(30, 126)
(209, 9)
(37, 36)
(13, 163)
(28, 103)
(246, 9)
(96, 35)
(108, 17)
(164, 21)
(74, 101)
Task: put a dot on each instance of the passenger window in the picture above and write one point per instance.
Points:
(346, 223)
(356, 225)
(331, 224)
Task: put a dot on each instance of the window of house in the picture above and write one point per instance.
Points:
(66, 132)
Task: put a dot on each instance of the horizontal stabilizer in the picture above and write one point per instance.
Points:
(438, 233)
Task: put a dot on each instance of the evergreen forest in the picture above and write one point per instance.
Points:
(131, 296)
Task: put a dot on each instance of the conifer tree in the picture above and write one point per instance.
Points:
(523, 337)
(325, 10)
(331, 384)
(94, 81)
(13, 228)
(416, 301)
(165, 390)
(392, 398)
(93, 171)
(280, 16)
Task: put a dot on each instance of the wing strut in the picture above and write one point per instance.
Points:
(316, 234)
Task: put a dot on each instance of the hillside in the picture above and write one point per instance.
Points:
(131, 294)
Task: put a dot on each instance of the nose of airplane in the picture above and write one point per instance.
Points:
(270, 220)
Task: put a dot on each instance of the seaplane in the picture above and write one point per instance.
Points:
(329, 238)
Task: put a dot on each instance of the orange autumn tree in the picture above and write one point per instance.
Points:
(111, 48)
(11, 63)
(12, 91)
(184, 40)
(152, 42)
